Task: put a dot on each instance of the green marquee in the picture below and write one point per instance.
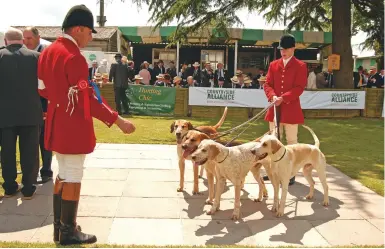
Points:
(250, 37)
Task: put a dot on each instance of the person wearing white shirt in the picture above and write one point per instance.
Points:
(311, 81)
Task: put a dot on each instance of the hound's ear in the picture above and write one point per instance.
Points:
(275, 145)
(213, 151)
(259, 139)
(189, 125)
(172, 127)
(203, 136)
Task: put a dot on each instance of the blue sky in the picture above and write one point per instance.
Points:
(52, 12)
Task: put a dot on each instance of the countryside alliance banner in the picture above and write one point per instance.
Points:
(150, 100)
(256, 98)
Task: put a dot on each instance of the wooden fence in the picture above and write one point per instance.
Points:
(373, 106)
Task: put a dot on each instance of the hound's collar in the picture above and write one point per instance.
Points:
(228, 152)
(284, 153)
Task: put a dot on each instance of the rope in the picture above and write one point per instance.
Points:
(257, 116)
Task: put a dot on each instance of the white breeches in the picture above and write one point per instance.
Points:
(70, 167)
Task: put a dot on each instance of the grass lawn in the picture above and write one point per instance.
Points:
(354, 146)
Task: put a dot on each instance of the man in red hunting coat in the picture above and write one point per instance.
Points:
(285, 82)
(69, 132)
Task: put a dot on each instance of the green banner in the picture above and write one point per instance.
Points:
(151, 100)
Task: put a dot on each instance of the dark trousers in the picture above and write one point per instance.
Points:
(46, 156)
(121, 98)
(29, 157)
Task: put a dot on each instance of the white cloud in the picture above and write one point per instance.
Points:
(52, 13)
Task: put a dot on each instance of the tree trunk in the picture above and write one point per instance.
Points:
(380, 61)
(341, 44)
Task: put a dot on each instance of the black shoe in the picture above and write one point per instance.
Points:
(9, 194)
(45, 179)
(292, 181)
(266, 178)
(70, 234)
(28, 195)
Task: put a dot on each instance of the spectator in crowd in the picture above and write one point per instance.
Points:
(358, 78)
(21, 114)
(260, 73)
(119, 75)
(262, 81)
(103, 67)
(159, 68)
(196, 73)
(382, 74)
(220, 75)
(191, 82)
(178, 81)
(171, 70)
(125, 60)
(207, 76)
(139, 80)
(144, 73)
(374, 80)
(246, 83)
(311, 81)
(285, 82)
(164, 80)
(131, 71)
(92, 70)
(320, 79)
(184, 71)
(150, 69)
(32, 41)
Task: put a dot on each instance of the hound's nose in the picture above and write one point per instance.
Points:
(178, 134)
(184, 146)
(253, 151)
(193, 157)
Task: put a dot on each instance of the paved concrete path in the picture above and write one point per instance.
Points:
(129, 196)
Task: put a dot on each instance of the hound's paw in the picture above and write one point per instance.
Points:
(235, 215)
(196, 192)
(309, 196)
(279, 213)
(179, 189)
(274, 208)
(265, 194)
(212, 211)
(209, 202)
(259, 199)
(326, 203)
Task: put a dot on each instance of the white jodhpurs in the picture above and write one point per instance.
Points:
(70, 167)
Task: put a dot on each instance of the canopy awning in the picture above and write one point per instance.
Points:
(247, 37)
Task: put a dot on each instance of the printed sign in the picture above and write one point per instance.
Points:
(150, 100)
(256, 98)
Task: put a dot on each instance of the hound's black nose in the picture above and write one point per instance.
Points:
(193, 157)
(184, 146)
(253, 151)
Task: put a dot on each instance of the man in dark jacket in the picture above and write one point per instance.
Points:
(119, 74)
(21, 113)
(32, 42)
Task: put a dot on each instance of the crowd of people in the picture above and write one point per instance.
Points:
(318, 79)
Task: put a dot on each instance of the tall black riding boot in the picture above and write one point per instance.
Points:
(70, 234)
(57, 191)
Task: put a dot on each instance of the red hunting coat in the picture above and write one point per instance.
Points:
(289, 83)
(69, 126)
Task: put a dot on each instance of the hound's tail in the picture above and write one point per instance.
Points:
(220, 122)
(316, 140)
